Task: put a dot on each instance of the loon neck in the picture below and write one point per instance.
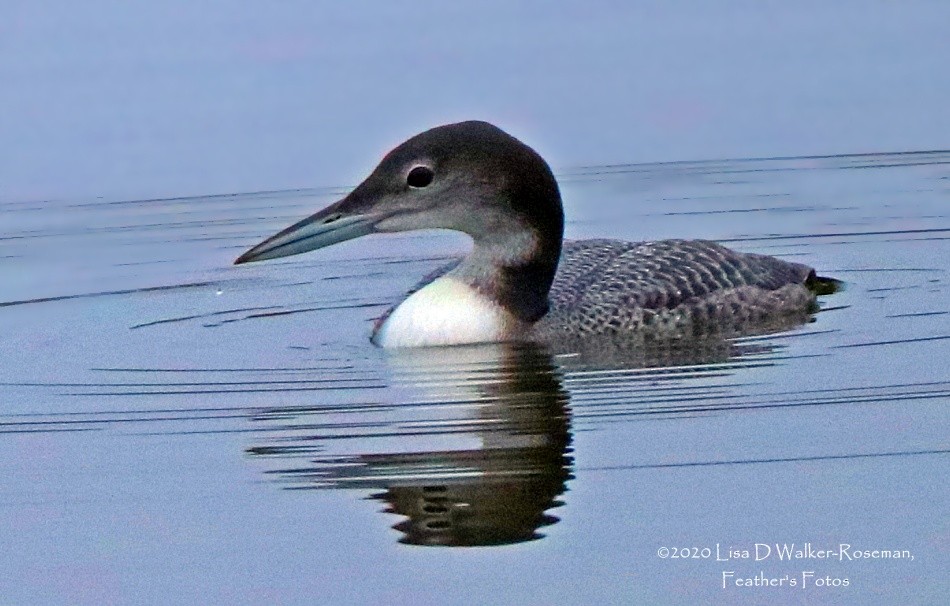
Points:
(494, 294)
(514, 268)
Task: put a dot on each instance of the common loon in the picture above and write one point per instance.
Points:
(521, 281)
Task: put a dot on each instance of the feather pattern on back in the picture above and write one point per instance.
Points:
(669, 286)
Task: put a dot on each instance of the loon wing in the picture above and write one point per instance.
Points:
(612, 286)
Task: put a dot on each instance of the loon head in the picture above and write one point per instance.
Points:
(471, 177)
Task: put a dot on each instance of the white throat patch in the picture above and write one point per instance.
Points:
(446, 312)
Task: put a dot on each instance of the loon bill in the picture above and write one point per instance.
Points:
(522, 281)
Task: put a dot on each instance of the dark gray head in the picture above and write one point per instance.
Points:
(470, 177)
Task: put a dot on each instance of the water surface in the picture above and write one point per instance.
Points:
(177, 426)
(174, 429)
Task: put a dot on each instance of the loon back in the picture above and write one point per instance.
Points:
(669, 288)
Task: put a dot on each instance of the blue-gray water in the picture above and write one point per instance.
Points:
(177, 430)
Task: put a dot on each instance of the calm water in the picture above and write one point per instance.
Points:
(173, 425)
(174, 429)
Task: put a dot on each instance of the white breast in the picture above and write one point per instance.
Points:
(446, 312)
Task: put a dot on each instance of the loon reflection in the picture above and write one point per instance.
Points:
(495, 493)
(521, 282)
(508, 456)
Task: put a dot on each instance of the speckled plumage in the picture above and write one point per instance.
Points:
(607, 287)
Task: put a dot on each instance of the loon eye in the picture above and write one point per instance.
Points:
(420, 176)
